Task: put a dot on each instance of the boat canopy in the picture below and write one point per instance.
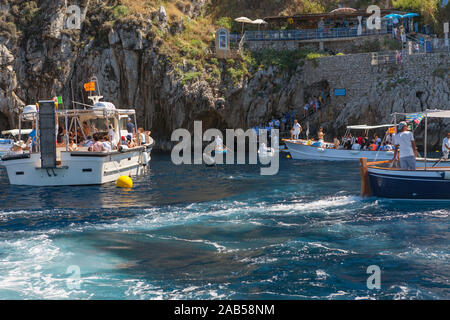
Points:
(94, 113)
(366, 127)
(429, 113)
(15, 132)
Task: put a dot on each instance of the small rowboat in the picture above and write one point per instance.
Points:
(430, 180)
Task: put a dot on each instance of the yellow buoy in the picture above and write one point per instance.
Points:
(124, 182)
(288, 156)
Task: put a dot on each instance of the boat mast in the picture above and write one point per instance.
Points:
(66, 123)
(426, 136)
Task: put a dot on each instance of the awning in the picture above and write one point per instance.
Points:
(15, 132)
(366, 127)
(429, 113)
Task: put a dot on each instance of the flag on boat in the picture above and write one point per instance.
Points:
(90, 86)
(416, 118)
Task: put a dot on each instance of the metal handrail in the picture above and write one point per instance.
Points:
(283, 35)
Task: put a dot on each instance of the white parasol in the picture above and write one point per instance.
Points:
(243, 20)
(259, 22)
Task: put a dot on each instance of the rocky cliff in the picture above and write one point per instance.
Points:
(40, 57)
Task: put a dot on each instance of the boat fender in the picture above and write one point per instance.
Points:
(446, 175)
(120, 149)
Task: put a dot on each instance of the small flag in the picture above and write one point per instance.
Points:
(391, 130)
(59, 100)
(90, 86)
(415, 118)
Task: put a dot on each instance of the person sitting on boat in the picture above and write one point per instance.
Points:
(296, 130)
(356, 146)
(377, 139)
(336, 143)
(98, 145)
(72, 145)
(446, 146)
(404, 140)
(130, 142)
(373, 146)
(16, 148)
(107, 144)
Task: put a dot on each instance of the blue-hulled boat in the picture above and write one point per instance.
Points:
(432, 183)
(430, 180)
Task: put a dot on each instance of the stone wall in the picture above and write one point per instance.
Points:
(375, 92)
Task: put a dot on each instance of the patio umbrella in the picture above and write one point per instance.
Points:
(343, 10)
(411, 15)
(243, 20)
(259, 22)
(393, 16)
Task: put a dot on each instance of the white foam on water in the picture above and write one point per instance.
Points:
(322, 205)
(24, 269)
(321, 275)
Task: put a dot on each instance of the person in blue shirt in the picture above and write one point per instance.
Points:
(34, 137)
(130, 126)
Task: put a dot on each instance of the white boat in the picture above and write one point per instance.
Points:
(302, 150)
(51, 165)
(299, 150)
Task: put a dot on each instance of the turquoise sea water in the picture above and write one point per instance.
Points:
(191, 232)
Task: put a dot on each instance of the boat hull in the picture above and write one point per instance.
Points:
(78, 168)
(420, 185)
(301, 151)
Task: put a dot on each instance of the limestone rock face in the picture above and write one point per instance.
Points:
(6, 57)
(132, 73)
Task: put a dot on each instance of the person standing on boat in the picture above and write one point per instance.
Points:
(446, 146)
(219, 144)
(321, 135)
(404, 140)
(296, 130)
(130, 127)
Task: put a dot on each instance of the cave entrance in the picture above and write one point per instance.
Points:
(316, 89)
(4, 122)
(211, 120)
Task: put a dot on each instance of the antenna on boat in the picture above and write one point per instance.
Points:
(91, 87)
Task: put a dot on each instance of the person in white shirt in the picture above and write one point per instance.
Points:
(296, 130)
(262, 150)
(446, 146)
(356, 146)
(219, 143)
(404, 140)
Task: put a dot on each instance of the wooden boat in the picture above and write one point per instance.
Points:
(430, 180)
